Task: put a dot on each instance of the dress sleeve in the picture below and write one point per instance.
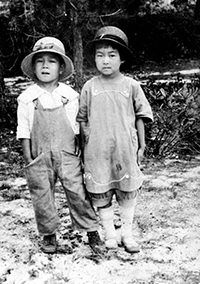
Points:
(84, 103)
(141, 105)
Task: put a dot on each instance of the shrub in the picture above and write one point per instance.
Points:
(176, 127)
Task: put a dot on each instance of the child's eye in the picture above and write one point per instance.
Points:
(39, 60)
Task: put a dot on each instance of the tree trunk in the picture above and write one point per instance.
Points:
(77, 50)
(2, 95)
(197, 10)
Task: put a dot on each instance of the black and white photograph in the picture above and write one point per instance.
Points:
(100, 142)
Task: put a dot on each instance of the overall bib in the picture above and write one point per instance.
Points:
(53, 151)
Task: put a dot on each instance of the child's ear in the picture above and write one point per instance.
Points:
(62, 67)
(34, 71)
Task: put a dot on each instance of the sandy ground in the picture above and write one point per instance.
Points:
(166, 225)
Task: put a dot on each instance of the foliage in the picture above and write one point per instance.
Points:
(162, 36)
(175, 103)
(176, 127)
(8, 117)
(28, 21)
(155, 32)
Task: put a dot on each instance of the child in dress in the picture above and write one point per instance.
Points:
(112, 113)
(47, 129)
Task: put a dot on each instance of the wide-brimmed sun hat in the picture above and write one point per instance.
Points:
(109, 34)
(47, 44)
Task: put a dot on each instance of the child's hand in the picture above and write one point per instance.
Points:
(140, 156)
(77, 145)
(28, 161)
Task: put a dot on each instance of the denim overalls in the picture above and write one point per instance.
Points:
(53, 151)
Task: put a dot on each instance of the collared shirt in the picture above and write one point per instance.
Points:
(26, 106)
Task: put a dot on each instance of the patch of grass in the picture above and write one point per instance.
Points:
(10, 194)
(5, 186)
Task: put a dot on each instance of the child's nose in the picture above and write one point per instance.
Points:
(45, 63)
(106, 59)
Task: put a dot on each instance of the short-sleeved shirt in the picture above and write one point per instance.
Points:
(110, 109)
(26, 106)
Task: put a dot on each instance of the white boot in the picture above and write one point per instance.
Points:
(106, 216)
(127, 240)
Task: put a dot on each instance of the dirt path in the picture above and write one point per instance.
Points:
(167, 226)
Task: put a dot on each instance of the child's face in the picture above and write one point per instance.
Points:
(108, 61)
(47, 67)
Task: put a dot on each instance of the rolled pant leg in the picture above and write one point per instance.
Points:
(41, 182)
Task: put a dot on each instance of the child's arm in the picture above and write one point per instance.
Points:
(83, 124)
(141, 139)
(26, 148)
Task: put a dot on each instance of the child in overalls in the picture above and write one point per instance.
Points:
(113, 109)
(47, 129)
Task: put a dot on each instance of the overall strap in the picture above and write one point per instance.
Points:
(64, 100)
(38, 104)
(35, 102)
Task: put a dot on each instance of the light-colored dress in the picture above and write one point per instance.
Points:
(111, 143)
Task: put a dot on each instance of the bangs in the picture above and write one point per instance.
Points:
(106, 44)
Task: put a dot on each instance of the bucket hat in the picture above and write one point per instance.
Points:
(47, 44)
(109, 34)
